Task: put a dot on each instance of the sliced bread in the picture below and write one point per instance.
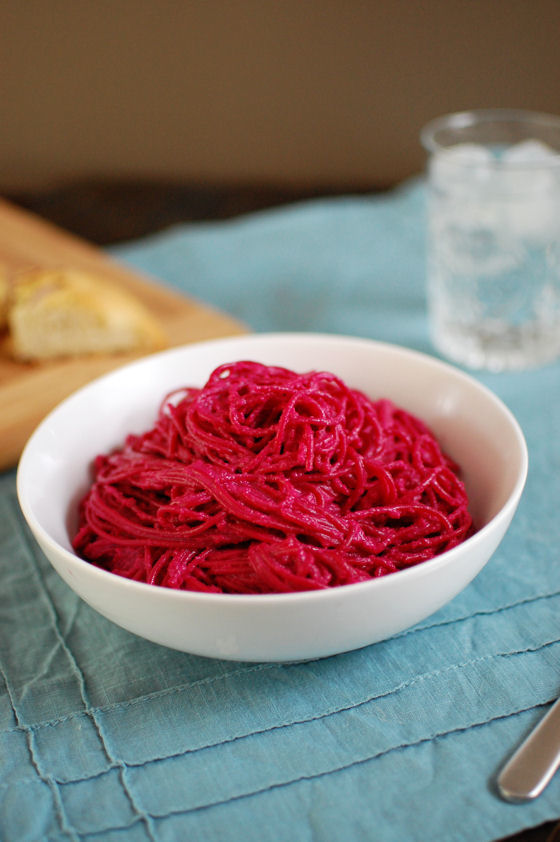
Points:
(69, 312)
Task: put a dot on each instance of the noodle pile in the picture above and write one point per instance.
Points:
(269, 481)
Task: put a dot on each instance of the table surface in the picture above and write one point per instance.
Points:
(111, 213)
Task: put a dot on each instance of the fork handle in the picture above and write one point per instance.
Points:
(533, 765)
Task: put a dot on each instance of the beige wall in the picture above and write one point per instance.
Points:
(322, 92)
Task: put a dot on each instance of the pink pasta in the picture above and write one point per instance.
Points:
(269, 481)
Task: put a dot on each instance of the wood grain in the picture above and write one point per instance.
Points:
(29, 391)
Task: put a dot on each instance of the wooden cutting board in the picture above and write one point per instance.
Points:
(29, 391)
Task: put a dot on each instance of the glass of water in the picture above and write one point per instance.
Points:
(494, 237)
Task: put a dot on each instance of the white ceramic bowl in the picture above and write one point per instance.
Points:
(473, 426)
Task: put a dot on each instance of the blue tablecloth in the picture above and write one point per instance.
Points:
(104, 736)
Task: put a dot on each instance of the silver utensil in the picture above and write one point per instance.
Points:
(533, 765)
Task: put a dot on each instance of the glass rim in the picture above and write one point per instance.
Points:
(465, 119)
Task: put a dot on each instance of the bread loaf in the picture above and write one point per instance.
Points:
(69, 312)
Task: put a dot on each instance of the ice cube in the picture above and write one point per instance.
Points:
(516, 194)
(468, 153)
(461, 165)
(530, 152)
(534, 189)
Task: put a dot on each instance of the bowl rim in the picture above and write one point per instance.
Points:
(326, 594)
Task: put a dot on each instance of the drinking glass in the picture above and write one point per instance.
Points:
(494, 237)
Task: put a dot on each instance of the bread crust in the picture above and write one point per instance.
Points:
(4, 298)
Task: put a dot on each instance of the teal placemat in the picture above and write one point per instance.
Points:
(104, 736)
